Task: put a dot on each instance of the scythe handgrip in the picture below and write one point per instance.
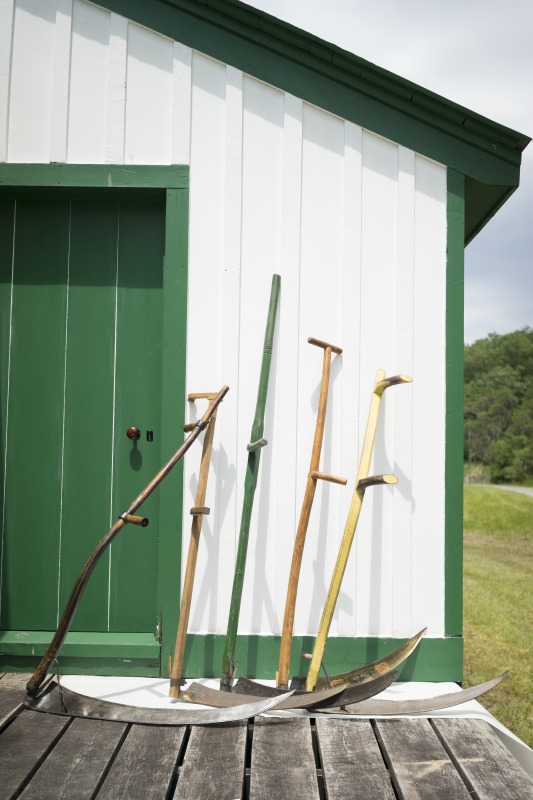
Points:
(52, 651)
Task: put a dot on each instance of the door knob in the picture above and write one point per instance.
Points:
(133, 433)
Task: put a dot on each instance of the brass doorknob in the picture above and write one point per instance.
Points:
(133, 433)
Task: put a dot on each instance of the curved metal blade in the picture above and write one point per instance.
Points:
(56, 700)
(425, 705)
(369, 671)
(328, 698)
(197, 693)
(352, 678)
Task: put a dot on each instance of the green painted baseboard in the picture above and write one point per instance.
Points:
(257, 656)
(83, 653)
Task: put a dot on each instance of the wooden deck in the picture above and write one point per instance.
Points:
(44, 757)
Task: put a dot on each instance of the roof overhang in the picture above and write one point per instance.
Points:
(487, 153)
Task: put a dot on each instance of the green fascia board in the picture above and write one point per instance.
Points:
(439, 659)
(99, 176)
(346, 85)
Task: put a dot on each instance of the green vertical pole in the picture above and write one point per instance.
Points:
(250, 482)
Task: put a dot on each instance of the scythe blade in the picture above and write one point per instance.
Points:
(426, 705)
(58, 700)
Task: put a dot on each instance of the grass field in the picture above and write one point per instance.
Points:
(498, 601)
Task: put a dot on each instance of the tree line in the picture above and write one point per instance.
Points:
(499, 405)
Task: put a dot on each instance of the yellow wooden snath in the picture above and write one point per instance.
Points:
(363, 481)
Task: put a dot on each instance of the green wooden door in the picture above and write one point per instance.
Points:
(81, 310)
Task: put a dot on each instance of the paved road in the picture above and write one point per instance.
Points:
(522, 489)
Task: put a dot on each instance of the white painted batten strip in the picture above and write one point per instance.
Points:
(8, 386)
(6, 47)
(287, 508)
(116, 90)
(231, 315)
(60, 82)
(181, 104)
(402, 624)
(63, 420)
(347, 424)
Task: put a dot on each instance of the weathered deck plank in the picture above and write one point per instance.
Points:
(23, 746)
(352, 762)
(11, 696)
(45, 756)
(488, 767)
(78, 761)
(283, 763)
(214, 763)
(145, 766)
(419, 765)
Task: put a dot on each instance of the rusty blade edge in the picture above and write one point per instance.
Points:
(328, 698)
(71, 704)
(354, 677)
(424, 705)
(379, 667)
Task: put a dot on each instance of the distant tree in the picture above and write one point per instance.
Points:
(499, 404)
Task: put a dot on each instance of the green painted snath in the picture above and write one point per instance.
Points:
(85, 334)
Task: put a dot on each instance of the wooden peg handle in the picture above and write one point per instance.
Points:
(393, 381)
(324, 476)
(200, 511)
(133, 520)
(376, 480)
(201, 396)
(324, 345)
(256, 445)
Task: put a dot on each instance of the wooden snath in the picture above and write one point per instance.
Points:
(198, 511)
(252, 469)
(363, 481)
(282, 677)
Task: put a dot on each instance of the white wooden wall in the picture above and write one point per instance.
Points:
(356, 227)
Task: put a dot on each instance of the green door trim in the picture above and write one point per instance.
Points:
(141, 654)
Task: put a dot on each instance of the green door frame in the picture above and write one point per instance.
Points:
(122, 653)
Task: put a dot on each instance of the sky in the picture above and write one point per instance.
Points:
(478, 53)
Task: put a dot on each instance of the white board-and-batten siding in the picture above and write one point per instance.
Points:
(356, 227)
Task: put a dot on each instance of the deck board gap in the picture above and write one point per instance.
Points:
(107, 769)
(386, 760)
(454, 760)
(40, 761)
(318, 761)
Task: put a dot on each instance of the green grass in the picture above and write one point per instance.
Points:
(498, 601)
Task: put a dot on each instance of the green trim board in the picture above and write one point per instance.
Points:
(84, 653)
(105, 176)
(257, 656)
(454, 446)
(346, 85)
(173, 413)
